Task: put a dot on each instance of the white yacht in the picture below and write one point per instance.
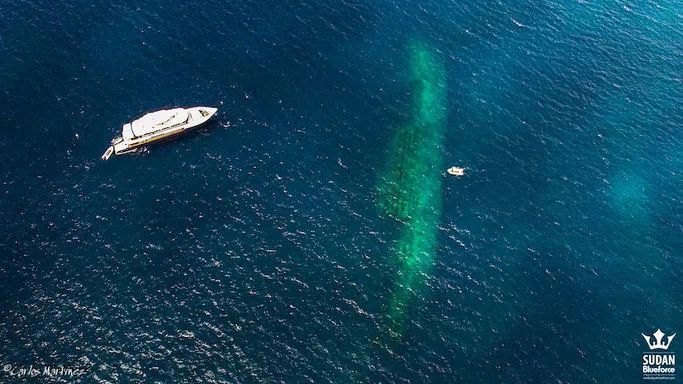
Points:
(157, 126)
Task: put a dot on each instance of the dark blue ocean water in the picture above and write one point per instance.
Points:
(253, 251)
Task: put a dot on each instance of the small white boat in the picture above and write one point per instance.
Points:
(456, 171)
(157, 126)
(108, 153)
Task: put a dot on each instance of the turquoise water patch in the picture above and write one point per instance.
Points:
(629, 193)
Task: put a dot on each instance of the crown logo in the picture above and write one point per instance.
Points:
(657, 343)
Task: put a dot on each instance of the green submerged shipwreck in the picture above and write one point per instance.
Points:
(410, 191)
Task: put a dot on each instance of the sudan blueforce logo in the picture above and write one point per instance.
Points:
(659, 363)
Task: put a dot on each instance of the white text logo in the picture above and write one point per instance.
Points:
(659, 365)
